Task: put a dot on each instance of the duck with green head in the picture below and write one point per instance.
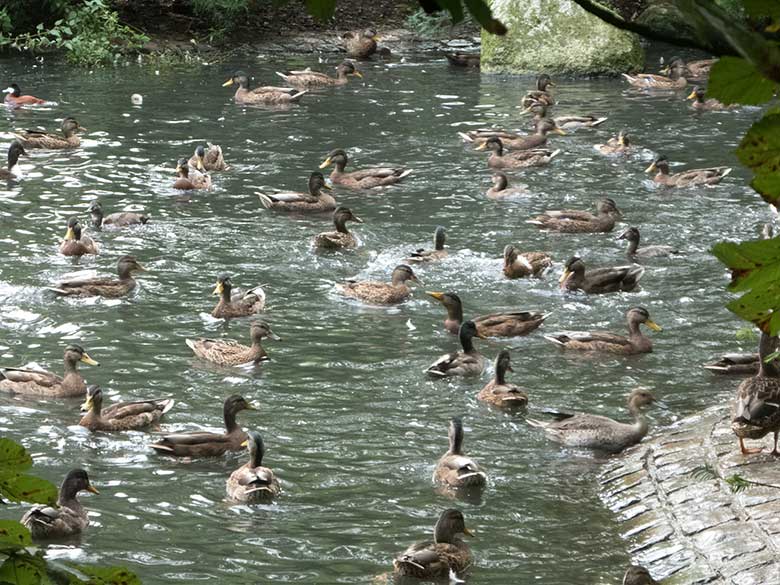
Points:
(317, 200)
(103, 286)
(421, 255)
(68, 139)
(46, 384)
(267, 95)
(341, 238)
(369, 178)
(466, 362)
(68, 517)
(75, 243)
(252, 483)
(15, 150)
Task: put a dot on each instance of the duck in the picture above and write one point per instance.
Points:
(315, 201)
(482, 134)
(636, 575)
(15, 99)
(501, 190)
(382, 293)
(756, 410)
(522, 264)
(634, 252)
(360, 44)
(76, 244)
(592, 431)
(311, 79)
(570, 122)
(519, 159)
(15, 150)
(605, 342)
(267, 95)
(421, 255)
(701, 103)
(498, 392)
(467, 362)
(188, 180)
(540, 95)
(252, 483)
(119, 219)
(364, 179)
(68, 517)
(208, 159)
(698, 69)
(103, 286)
(46, 384)
(240, 304)
(68, 139)
(227, 352)
(121, 416)
(341, 239)
(675, 80)
(206, 444)
(454, 469)
(537, 140)
(600, 280)
(459, 59)
(435, 560)
(735, 364)
(617, 145)
(507, 324)
(689, 178)
(573, 221)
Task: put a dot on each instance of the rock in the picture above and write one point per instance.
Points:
(665, 17)
(557, 37)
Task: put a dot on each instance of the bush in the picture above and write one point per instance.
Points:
(221, 16)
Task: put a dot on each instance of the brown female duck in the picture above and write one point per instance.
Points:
(360, 44)
(362, 179)
(68, 518)
(382, 293)
(636, 575)
(676, 79)
(459, 59)
(466, 362)
(208, 159)
(537, 140)
(267, 95)
(522, 264)
(501, 190)
(421, 255)
(498, 391)
(569, 122)
(702, 103)
(735, 364)
(227, 352)
(600, 280)
(634, 252)
(68, 138)
(699, 69)
(46, 384)
(252, 483)
(76, 244)
(240, 304)
(308, 79)
(577, 221)
(520, 159)
(121, 416)
(540, 95)
(315, 201)
(190, 179)
(15, 150)
(454, 469)
(341, 238)
(689, 178)
(103, 286)
(621, 144)
(119, 219)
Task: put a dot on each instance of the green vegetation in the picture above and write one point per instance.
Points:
(222, 16)
(429, 26)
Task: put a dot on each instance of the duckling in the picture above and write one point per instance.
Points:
(363, 179)
(205, 444)
(575, 221)
(37, 139)
(15, 99)
(208, 160)
(119, 220)
(15, 150)
(267, 95)
(509, 324)
(634, 252)
(103, 286)
(592, 431)
(520, 159)
(252, 483)
(311, 79)
(434, 560)
(498, 391)
(501, 190)
(422, 255)
(315, 201)
(241, 304)
(227, 352)
(736, 364)
(521, 264)
(121, 416)
(69, 517)
(40, 383)
(615, 146)
(360, 44)
(76, 244)
(340, 239)
(603, 341)
(702, 104)
(636, 575)
(539, 96)
(189, 181)
(454, 469)
(381, 293)
(459, 59)
(600, 280)
(689, 178)
(467, 362)
(676, 79)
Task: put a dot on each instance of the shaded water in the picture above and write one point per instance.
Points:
(353, 427)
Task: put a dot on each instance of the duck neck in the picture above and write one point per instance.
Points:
(125, 273)
(456, 439)
(13, 158)
(341, 224)
(466, 342)
(501, 373)
(501, 184)
(455, 312)
(640, 422)
(766, 346)
(230, 419)
(256, 456)
(226, 298)
(70, 366)
(67, 497)
(633, 246)
(633, 329)
(97, 217)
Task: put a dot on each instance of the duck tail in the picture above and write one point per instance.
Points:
(465, 137)
(59, 291)
(265, 200)
(161, 447)
(598, 121)
(167, 404)
(190, 343)
(536, 423)
(282, 75)
(545, 315)
(405, 173)
(297, 96)
(555, 153)
(553, 339)
(726, 172)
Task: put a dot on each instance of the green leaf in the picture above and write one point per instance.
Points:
(13, 457)
(760, 147)
(107, 575)
(24, 569)
(13, 536)
(27, 488)
(482, 14)
(736, 81)
(321, 9)
(768, 186)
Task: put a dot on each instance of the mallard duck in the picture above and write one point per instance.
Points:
(698, 69)
(436, 559)
(676, 79)
(15, 99)
(635, 252)
(540, 95)
(636, 575)
(689, 178)
(600, 280)
(103, 286)
(252, 483)
(315, 201)
(360, 44)
(593, 431)
(577, 221)
(382, 293)
(521, 264)
(700, 103)
(459, 59)
(498, 391)
(757, 404)
(119, 219)
(76, 244)
(438, 252)
(121, 416)
(569, 122)
(15, 150)
(341, 238)
(37, 139)
(736, 364)
(267, 95)
(311, 79)
(516, 142)
(205, 444)
(519, 159)
(66, 519)
(455, 469)
(467, 362)
(189, 180)
(241, 304)
(480, 135)
(210, 159)
(39, 383)
(227, 352)
(621, 144)
(501, 190)
(603, 341)
(509, 324)
(363, 179)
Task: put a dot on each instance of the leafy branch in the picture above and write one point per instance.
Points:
(736, 482)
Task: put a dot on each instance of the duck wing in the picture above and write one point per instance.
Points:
(22, 376)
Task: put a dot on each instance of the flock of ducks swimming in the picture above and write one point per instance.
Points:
(446, 555)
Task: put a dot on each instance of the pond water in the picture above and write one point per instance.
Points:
(352, 425)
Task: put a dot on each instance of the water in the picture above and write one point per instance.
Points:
(353, 427)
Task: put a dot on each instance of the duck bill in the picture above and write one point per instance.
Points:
(651, 168)
(200, 164)
(622, 236)
(560, 131)
(69, 235)
(92, 489)
(88, 360)
(244, 443)
(218, 289)
(327, 187)
(479, 335)
(564, 277)
(250, 406)
(653, 325)
(326, 163)
(274, 336)
(482, 146)
(87, 406)
(140, 267)
(469, 532)
(358, 74)
(356, 219)
(227, 83)
(439, 296)
(692, 96)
